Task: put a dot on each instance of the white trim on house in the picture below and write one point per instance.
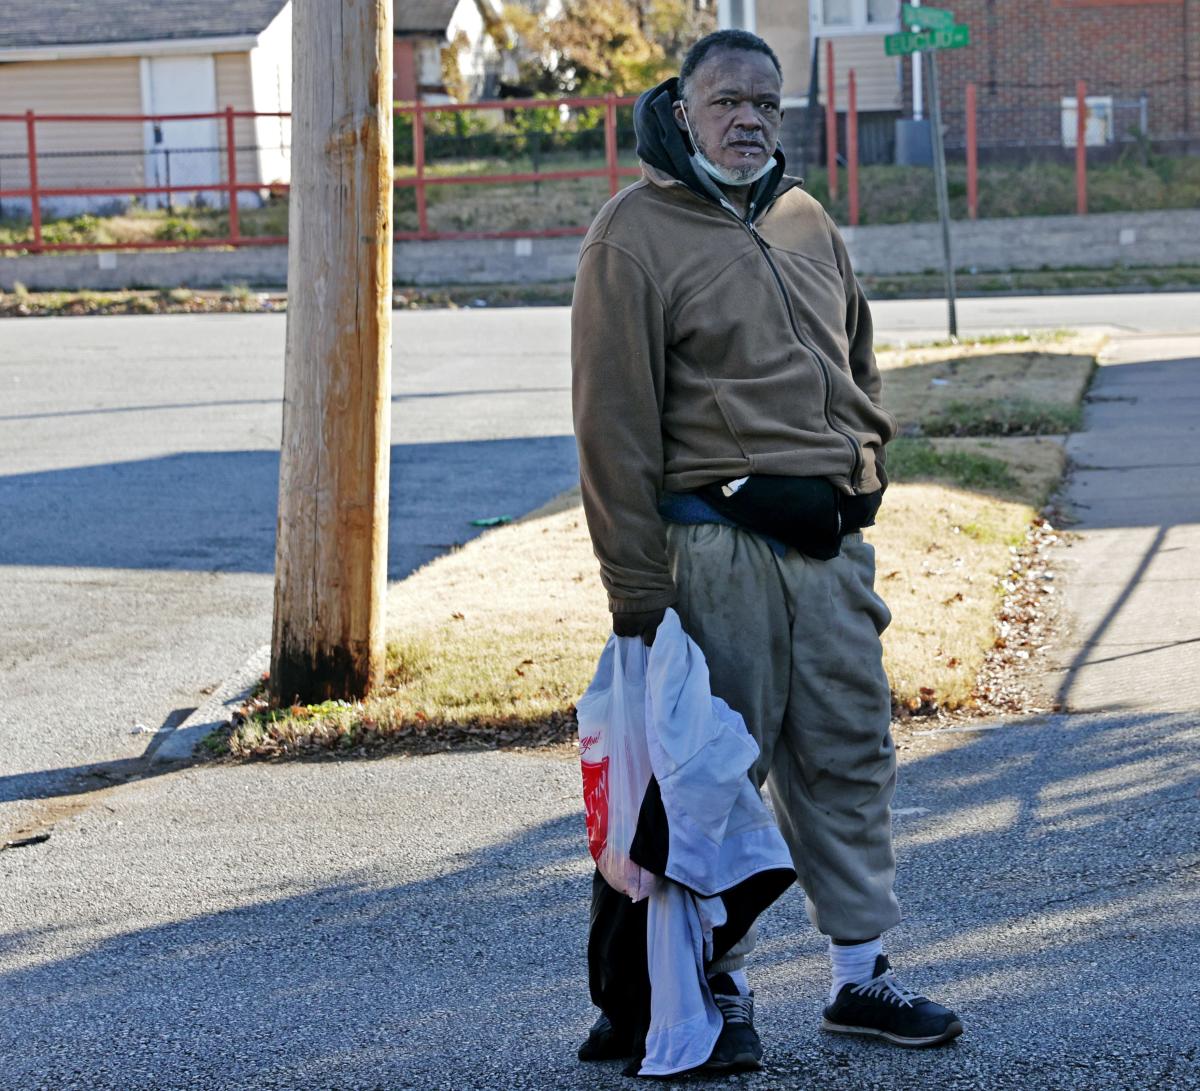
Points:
(271, 90)
(147, 126)
(240, 43)
(858, 26)
(744, 9)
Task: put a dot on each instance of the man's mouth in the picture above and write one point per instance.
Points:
(747, 147)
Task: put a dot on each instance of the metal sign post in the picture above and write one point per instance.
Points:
(931, 29)
(943, 197)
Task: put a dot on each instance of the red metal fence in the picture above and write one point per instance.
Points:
(970, 145)
(36, 193)
(419, 181)
(421, 176)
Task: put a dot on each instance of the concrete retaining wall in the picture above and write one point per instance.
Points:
(1099, 241)
(1035, 242)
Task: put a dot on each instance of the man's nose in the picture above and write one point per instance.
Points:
(747, 117)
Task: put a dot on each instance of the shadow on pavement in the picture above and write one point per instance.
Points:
(1049, 871)
(215, 511)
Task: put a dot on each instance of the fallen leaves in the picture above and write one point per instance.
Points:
(1008, 682)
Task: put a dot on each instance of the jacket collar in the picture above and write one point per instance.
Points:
(666, 181)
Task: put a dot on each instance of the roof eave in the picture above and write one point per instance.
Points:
(234, 43)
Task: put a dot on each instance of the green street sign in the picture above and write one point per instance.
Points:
(926, 18)
(956, 37)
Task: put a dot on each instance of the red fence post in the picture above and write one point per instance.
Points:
(831, 140)
(610, 142)
(852, 146)
(35, 201)
(231, 180)
(1081, 148)
(972, 156)
(419, 164)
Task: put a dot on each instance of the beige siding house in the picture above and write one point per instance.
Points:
(141, 57)
(856, 29)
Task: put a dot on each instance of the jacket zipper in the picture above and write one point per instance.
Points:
(822, 366)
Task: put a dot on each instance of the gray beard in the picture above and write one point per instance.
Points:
(731, 176)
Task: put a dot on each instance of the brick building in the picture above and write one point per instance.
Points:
(1139, 58)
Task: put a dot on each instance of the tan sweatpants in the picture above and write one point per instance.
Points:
(793, 645)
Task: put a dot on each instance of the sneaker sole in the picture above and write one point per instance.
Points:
(952, 1031)
(743, 1062)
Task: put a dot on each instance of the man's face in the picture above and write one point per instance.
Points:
(733, 105)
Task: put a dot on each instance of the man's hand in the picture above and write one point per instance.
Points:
(642, 623)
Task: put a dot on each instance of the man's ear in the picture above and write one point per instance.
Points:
(677, 108)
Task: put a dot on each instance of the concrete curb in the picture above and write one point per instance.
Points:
(216, 712)
(1098, 240)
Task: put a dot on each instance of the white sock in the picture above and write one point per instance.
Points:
(854, 964)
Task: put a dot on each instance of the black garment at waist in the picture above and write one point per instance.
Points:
(807, 513)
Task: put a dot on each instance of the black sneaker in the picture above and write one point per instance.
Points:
(883, 1008)
(738, 1049)
(605, 1043)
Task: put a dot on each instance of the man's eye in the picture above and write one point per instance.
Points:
(768, 107)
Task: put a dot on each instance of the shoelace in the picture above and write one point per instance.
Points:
(736, 1009)
(885, 987)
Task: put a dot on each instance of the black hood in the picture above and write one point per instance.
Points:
(662, 144)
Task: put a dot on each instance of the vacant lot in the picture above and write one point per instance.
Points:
(494, 643)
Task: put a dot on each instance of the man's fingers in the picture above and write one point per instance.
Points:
(640, 623)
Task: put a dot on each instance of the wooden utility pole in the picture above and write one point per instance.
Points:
(331, 547)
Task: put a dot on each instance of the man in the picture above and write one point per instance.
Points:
(731, 439)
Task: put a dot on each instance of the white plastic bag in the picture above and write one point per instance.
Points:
(615, 761)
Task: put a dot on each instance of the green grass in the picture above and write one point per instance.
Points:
(888, 195)
(148, 225)
(1002, 417)
(917, 459)
(893, 195)
(1112, 278)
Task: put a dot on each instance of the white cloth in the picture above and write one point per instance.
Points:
(684, 1021)
(720, 831)
(719, 834)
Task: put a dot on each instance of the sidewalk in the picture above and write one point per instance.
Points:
(1134, 578)
(420, 922)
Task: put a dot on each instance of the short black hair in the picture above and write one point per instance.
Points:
(723, 39)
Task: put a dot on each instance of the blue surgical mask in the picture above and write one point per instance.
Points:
(723, 175)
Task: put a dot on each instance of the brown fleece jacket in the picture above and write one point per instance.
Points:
(704, 350)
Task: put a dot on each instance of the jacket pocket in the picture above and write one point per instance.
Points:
(728, 420)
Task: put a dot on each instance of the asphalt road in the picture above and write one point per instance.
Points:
(138, 481)
(419, 923)
(920, 319)
(138, 469)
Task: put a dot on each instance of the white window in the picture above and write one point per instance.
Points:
(833, 17)
(736, 15)
(1097, 126)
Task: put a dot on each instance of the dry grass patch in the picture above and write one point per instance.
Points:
(1024, 468)
(1022, 386)
(493, 644)
(941, 553)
